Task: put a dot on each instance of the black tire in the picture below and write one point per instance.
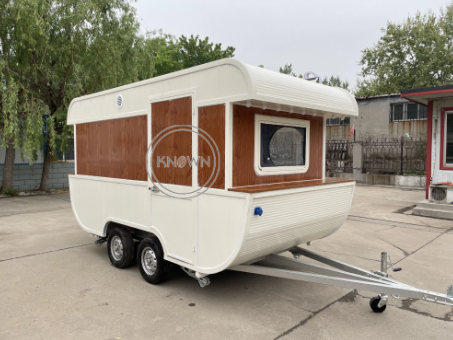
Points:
(374, 305)
(150, 260)
(120, 247)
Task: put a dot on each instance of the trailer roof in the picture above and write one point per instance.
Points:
(221, 81)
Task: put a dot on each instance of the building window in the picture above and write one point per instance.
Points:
(407, 111)
(448, 139)
(281, 145)
(337, 121)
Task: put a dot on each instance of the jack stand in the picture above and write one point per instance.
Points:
(203, 281)
(379, 303)
(384, 264)
(100, 240)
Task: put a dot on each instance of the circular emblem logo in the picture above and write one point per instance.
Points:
(158, 164)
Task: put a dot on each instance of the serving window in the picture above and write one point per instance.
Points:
(281, 145)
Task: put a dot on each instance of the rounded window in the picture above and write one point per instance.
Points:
(282, 145)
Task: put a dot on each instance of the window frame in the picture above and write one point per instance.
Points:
(443, 136)
(280, 170)
(341, 122)
(405, 112)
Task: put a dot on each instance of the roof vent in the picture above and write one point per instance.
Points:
(119, 101)
(312, 76)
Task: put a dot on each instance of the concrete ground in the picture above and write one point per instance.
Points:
(56, 284)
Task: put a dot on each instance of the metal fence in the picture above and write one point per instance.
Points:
(339, 156)
(394, 156)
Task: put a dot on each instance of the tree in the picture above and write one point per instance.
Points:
(332, 81)
(195, 51)
(288, 69)
(336, 82)
(176, 54)
(68, 48)
(55, 50)
(416, 53)
(21, 113)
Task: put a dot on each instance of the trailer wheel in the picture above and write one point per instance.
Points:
(374, 305)
(120, 247)
(150, 259)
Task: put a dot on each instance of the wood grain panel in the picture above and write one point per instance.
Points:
(105, 154)
(166, 114)
(113, 148)
(212, 120)
(82, 144)
(116, 148)
(290, 185)
(243, 147)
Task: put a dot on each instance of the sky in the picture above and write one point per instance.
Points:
(326, 37)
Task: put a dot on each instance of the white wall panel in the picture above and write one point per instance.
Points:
(292, 219)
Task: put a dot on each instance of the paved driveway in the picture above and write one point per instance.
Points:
(56, 284)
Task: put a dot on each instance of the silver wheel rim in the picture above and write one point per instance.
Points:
(116, 248)
(149, 261)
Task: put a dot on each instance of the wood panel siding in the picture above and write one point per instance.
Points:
(113, 148)
(290, 185)
(178, 144)
(243, 147)
(212, 120)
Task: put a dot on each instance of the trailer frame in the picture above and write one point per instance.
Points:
(343, 275)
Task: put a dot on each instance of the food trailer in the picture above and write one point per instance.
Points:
(217, 167)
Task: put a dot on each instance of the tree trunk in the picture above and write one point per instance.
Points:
(45, 169)
(8, 166)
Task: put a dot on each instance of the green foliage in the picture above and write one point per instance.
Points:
(416, 53)
(52, 51)
(288, 69)
(10, 192)
(332, 81)
(58, 50)
(195, 51)
(20, 114)
(414, 172)
(336, 82)
(173, 54)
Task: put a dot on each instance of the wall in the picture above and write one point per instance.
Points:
(338, 132)
(415, 128)
(374, 116)
(437, 174)
(374, 121)
(26, 177)
(244, 141)
(114, 148)
(18, 159)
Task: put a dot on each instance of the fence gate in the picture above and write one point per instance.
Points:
(396, 156)
(339, 156)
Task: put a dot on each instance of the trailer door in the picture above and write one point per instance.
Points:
(172, 215)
